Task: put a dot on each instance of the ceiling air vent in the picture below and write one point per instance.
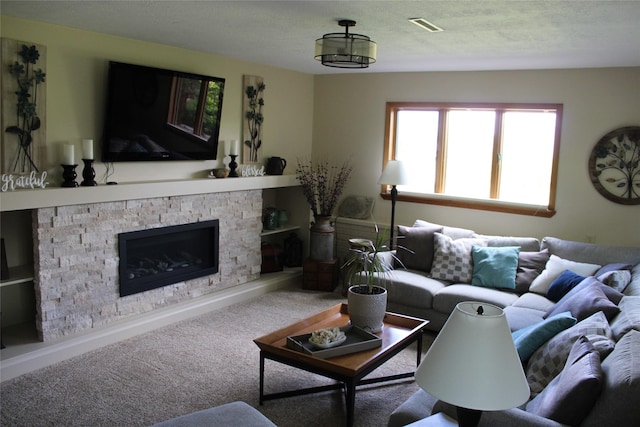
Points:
(424, 24)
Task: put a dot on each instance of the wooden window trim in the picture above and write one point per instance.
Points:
(496, 206)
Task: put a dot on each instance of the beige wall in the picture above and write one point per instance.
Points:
(349, 122)
(347, 118)
(77, 63)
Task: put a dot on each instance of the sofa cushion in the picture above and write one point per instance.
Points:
(415, 246)
(411, 288)
(452, 258)
(591, 253)
(584, 300)
(616, 266)
(530, 265)
(617, 404)
(521, 317)
(453, 232)
(547, 361)
(554, 267)
(535, 301)
(529, 339)
(446, 299)
(562, 284)
(526, 244)
(628, 318)
(570, 396)
(495, 267)
(234, 413)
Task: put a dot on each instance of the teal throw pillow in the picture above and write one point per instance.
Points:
(528, 340)
(495, 267)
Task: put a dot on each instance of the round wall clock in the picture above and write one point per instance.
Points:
(614, 165)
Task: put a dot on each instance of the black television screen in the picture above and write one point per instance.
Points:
(157, 114)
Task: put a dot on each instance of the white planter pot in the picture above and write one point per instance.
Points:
(366, 311)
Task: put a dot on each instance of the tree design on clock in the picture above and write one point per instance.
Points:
(614, 165)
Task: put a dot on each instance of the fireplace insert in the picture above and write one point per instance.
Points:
(163, 256)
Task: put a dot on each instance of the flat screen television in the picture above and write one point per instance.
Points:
(156, 114)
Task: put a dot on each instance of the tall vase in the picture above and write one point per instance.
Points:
(321, 237)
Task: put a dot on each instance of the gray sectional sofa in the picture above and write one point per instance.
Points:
(540, 285)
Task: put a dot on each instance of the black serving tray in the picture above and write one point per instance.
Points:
(357, 340)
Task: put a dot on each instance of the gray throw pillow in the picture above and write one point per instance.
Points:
(629, 317)
(584, 300)
(452, 258)
(415, 246)
(570, 396)
(548, 360)
(530, 265)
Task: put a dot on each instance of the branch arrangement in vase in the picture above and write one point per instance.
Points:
(322, 184)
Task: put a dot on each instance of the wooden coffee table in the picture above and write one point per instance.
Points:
(398, 333)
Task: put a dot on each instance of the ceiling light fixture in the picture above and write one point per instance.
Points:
(344, 50)
(426, 25)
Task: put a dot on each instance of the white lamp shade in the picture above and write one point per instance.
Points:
(394, 173)
(473, 362)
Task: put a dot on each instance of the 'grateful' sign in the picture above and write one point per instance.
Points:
(32, 181)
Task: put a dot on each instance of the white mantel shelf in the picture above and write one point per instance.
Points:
(57, 196)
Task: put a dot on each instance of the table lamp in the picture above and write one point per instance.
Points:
(393, 174)
(473, 363)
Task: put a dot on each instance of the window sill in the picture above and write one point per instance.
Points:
(485, 205)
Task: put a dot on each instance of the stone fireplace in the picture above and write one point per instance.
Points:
(76, 256)
(158, 257)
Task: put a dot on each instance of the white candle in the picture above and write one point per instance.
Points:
(227, 147)
(68, 157)
(87, 149)
(236, 147)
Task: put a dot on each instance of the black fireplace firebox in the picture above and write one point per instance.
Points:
(159, 257)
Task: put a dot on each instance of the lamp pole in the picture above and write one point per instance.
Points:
(394, 197)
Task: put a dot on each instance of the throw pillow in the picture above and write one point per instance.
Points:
(613, 267)
(617, 279)
(629, 317)
(617, 404)
(452, 258)
(584, 300)
(562, 284)
(529, 339)
(530, 265)
(570, 396)
(547, 361)
(453, 232)
(415, 246)
(554, 267)
(495, 267)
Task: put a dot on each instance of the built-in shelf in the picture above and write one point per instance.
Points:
(17, 275)
(280, 230)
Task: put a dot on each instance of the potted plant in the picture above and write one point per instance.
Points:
(365, 272)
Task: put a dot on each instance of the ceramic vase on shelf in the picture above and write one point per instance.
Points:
(321, 239)
(366, 311)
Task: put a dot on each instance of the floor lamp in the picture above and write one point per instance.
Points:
(393, 174)
(473, 363)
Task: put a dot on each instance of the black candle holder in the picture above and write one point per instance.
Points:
(69, 174)
(88, 174)
(232, 166)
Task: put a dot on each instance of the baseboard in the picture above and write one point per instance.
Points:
(26, 358)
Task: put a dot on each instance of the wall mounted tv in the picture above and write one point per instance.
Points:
(156, 114)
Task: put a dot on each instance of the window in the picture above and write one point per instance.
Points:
(194, 106)
(500, 157)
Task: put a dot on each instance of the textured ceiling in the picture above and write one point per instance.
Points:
(479, 35)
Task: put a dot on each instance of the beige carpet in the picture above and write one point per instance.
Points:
(193, 365)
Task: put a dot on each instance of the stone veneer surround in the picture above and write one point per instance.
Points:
(76, 256)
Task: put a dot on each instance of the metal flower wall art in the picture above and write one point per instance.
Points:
(614, 165)
(28, 78)
(254, 117)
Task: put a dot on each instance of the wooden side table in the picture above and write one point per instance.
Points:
(320, 275)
